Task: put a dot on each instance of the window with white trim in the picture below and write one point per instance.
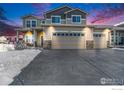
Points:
(33, 23)
(56, 19)
(76, 18)
(28, 24)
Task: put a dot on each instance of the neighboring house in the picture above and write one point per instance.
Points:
(11, 36)
(9, 32)
(66, 28)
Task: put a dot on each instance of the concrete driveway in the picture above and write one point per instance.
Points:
(74, 67)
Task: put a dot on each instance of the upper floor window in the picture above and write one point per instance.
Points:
(56, 19)
(76, 18)
(28, 24)
(33, 23)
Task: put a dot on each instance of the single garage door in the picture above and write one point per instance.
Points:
(100, 40)
(68, 40)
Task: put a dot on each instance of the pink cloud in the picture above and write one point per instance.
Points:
(106, 15)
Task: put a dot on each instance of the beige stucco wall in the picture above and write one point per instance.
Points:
(48, 32)
(86, 30)
(108, 35)
(39, 34)
(88, 33)
(104, 31)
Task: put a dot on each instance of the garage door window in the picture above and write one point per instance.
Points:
(95, 35)
(78, 34)
(98, 35)
(82, 34)
(68, 34)
(75, 34)
(54, 34)
(58, 34)
(62, 34)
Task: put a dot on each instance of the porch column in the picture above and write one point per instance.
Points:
(109, 38)
(17, 35)
(35, 36)
(114, 37)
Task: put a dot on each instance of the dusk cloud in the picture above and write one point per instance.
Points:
(41, 8)
(106, 14)
(98, 13)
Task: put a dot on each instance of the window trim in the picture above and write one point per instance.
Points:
(55, 16)
(30, 20)
(76, 22)
(27, 23)
(100, 35)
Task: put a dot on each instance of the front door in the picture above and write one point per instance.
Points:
(122, 40)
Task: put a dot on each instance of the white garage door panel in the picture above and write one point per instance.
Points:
(68, 42)
(100, 41)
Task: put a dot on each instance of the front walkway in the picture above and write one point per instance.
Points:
(74, 67)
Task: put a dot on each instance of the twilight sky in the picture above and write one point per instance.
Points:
(107, 14)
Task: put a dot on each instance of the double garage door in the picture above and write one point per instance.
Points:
(76, 40)
(68, 40)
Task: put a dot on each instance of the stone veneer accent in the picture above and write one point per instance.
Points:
(47, 44)
(89, 44)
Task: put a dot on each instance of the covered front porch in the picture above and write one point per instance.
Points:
(33, 37)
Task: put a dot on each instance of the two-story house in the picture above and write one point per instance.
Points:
(65, 28)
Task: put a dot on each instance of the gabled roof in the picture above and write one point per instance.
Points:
(27, 16)
(118, 24)
(57, 9)
(103, 26)
(76, 9)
